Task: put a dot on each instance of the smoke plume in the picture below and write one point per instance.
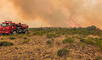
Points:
(59, 13)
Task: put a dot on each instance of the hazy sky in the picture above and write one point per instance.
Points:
(56, 13)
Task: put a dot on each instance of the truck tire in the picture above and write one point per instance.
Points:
(25, 31)
(14, 32)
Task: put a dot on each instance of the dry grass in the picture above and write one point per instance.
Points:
(40, 47)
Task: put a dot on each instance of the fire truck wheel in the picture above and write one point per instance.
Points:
(14, 32)
(25, 31)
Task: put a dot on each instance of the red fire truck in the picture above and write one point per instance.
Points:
(9, 27)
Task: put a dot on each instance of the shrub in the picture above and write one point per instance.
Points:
(99, 43)
(2, 38)
(88, 41)
(68, 40)
(51, 35)
(92, 28)
(93, 41)
(62, 52)
(49, 42)
(25, 41)
(12, 38)
(39, 33)
(98, 58)
(5, 43)
(25, 38)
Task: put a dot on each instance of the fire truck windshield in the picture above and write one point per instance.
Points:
(4, 25)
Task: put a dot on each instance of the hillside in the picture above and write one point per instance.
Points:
(53, 44)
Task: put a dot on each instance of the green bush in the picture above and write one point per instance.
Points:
(39, 33)
(68, 40)
(92, 27)
(25, 41)
(5, 43)
(12, 38)
(52, 35)
(49, 42)
(99, 43)
(98, 58)
(62, 52)
(88, 41)
(93, 41)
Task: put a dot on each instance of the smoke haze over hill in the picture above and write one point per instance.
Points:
(53, 13)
